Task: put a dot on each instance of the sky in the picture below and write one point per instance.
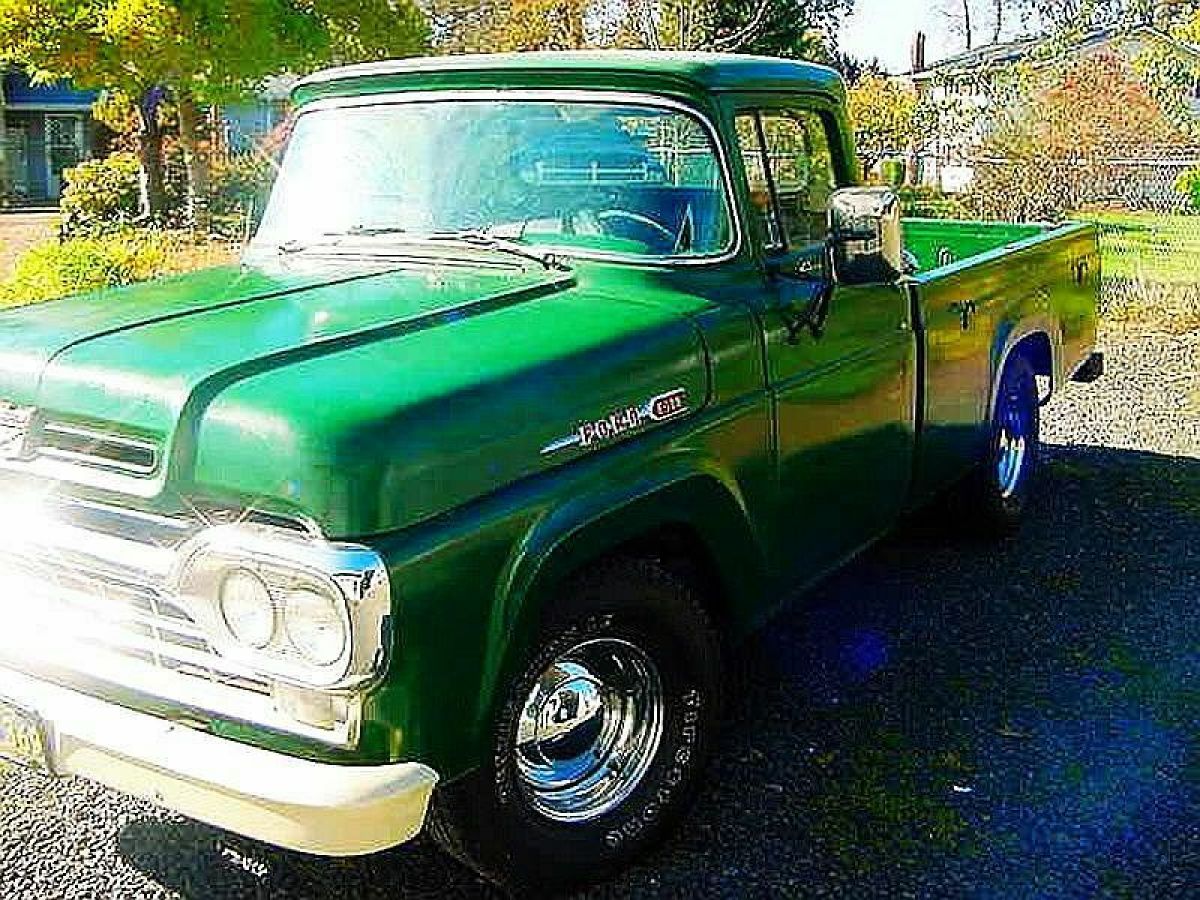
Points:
(885, 29)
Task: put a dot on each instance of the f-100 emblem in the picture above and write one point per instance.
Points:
(14, 426)
(623, 421)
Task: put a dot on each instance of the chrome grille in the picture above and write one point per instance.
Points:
(120, 612)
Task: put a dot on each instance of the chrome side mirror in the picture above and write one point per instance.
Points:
(866, 236)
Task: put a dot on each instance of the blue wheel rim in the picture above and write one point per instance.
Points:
(1013, 442)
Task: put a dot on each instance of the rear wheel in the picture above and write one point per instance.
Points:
(998, 492)
(601, 742)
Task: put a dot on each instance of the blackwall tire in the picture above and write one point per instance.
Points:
(635, 629)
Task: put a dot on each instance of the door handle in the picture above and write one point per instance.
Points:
(965, 310)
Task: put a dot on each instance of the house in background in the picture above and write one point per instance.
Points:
(968, 77)
(43, 130)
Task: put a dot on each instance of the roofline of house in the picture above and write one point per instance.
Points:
(46, 107)
(960, 63)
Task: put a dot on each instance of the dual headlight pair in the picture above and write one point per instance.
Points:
(304, 611)
(306, 616)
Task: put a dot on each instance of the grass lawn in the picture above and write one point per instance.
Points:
(1148, 247)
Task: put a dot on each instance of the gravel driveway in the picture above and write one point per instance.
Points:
(943, 719)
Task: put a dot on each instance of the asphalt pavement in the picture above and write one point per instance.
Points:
(945, 718)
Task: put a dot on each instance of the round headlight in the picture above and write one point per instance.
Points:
(247, 608)
(314, 626)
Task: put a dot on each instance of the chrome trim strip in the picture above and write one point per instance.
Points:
(574, 95)
(99, 438)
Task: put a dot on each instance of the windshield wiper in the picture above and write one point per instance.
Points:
(486, 240)
(482, 239)
(288, 248)
(367, 231)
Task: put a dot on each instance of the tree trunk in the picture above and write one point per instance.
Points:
(195, 162)
(998, 25)
(966, 7)
(150, 153)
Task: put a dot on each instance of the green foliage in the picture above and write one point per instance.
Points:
(1170, 75)
(195, 52)
(1188, 184)
(883, 112)
(211, 50)
(101, 195)
(794, 28)
(55, 269)
(893, 172)
(926, 202)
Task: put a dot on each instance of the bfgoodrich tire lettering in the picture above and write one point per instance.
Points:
(493, 820)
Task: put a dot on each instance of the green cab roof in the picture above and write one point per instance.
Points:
(672, 72)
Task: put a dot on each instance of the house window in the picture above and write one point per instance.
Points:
(16, 158)
(64, 148)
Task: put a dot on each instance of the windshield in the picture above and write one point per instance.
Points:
(573, 176)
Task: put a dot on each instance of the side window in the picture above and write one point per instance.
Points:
(750, 145)
(791, 182)
(802, 169)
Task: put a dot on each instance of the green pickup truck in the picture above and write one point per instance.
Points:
(544, 380)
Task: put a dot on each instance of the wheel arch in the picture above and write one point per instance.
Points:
(1039, 340)
(697, 517)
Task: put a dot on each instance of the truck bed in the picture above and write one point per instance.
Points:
(937, 243)
(981, 289)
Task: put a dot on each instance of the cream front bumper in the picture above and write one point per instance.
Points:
(331, 810)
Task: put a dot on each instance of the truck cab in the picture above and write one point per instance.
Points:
(544, 378)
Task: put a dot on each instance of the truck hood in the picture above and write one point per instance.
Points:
(363, 397)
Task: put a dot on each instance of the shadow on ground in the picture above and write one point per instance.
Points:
(942, 719)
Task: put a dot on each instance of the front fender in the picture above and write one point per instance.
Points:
(684, 491)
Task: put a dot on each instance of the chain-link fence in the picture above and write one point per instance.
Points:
(1150, 268)
(1145, 178)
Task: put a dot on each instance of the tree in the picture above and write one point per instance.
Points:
(854, 69)
(1171, 76)
(993, 18)
(790, 28)
(1052, 149)
(793, 28)
(1060, 15)
(883, 112)
(481, 26)
(184, 53)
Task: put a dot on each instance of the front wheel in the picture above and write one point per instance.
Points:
(999, 491)
(601, 742)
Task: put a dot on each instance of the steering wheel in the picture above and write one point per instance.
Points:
(634, 223)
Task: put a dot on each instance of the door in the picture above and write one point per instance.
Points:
(840, 361)
(64, 149)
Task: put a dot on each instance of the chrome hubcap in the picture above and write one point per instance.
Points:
(1013, 446)
(589, 730)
